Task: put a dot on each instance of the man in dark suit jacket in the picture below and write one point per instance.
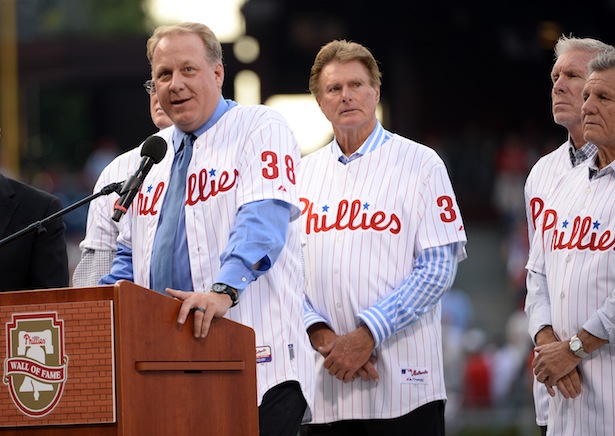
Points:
(33, 260)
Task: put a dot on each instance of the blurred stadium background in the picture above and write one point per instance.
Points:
(470, 79)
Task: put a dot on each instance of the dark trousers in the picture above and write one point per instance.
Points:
(281, 410)
(427, 420)
(543, 430)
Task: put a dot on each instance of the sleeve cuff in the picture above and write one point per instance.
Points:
(313, 318)
(375, 320)
(539, 320)
(235, 274)
(600, 326)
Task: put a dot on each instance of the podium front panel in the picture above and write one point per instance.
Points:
(112, 360)
(58, 364)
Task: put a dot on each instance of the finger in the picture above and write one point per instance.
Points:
(334, 371)
(544, 377)
(177, 294)
(334, 368)
(563, 388)
(550, 390)
(330, 363)
(371, 371)
(327, 363)
(348, 377)
(363, 374)
(567, 384)
(197, 319)
(184, 311)
(206, 317)
(575, 382)
(326, 349)
(536, 361)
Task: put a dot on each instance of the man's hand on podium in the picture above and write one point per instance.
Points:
(206, 306)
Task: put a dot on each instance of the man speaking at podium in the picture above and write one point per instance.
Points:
(230, 246)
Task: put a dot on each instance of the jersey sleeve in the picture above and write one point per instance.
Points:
(270, 163)
(442, 223)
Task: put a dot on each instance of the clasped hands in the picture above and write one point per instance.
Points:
(555, 365)
(348, 356)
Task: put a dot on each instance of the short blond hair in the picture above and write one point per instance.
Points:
(212, 45)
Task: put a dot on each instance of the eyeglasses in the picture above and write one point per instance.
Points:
(150, 87)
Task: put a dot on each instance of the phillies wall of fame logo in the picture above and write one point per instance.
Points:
(35, 368)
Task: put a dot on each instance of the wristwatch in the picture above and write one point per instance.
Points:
(221, 288)
(576, 346)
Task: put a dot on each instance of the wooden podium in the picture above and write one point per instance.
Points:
(112, 360)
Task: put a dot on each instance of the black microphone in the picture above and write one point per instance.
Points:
(153, 150)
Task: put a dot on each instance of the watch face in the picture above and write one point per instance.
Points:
(221, 288)
(218, 287)
(575, 345)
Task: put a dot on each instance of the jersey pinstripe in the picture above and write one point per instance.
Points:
(364, 224)
(250, 154)
(573, 248)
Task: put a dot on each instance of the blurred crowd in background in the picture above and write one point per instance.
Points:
(475, 88)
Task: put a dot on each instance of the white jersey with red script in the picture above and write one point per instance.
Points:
(249, 154)
(365, 224)
(574, 249)
(540, 183)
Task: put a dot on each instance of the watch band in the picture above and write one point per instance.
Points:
(221, 288)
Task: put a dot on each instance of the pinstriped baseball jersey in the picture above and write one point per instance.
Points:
(102, 231)
(364, 225)
(541, 181)
(250, 154)
(573, 248)
(539, 184)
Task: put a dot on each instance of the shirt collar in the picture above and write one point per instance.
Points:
(595, 173)
(374, 141)
(581, 154)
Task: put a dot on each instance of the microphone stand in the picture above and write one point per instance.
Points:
(39, 226)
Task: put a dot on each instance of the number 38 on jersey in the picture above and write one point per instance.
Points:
(274, 167)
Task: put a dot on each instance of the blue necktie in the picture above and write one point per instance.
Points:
(164, 247)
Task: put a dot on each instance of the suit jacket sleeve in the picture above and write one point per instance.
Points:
(49, 261)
